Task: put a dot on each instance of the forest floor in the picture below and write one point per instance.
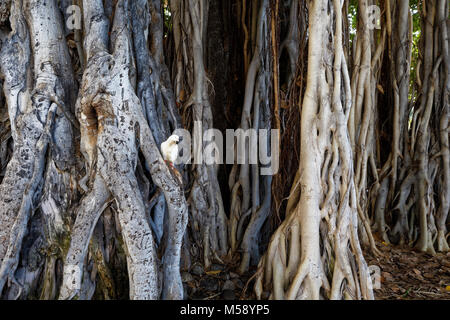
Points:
(405, 275)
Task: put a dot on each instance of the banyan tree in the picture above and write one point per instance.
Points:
(335, 116)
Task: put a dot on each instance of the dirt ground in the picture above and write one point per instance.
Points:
(405, 275)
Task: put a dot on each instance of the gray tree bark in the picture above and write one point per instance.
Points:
(112, 120)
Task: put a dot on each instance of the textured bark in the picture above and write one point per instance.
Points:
(325, 216)
(399, 46)
(39, 97)
(89, 209)
(120, 120)
(432, 114)
(208, 223)
(367, 57)
(114, 130)
(416, 167)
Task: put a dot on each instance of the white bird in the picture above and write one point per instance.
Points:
(169, 149)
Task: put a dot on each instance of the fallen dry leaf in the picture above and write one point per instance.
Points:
(429, 275)
(387, 276)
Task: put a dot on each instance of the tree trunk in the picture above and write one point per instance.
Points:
(295, 266)
(114, 127)
(90, 209)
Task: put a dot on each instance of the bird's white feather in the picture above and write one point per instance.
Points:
(169, 149)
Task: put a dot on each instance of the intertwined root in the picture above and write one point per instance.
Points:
(316, 253)
(208, 224)
(327, 264)
(123, 132)
(414, 180)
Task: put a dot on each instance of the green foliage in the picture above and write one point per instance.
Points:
(415, 11)
(167, 17)
(353, 18)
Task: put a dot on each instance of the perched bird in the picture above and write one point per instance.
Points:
(169, 149)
